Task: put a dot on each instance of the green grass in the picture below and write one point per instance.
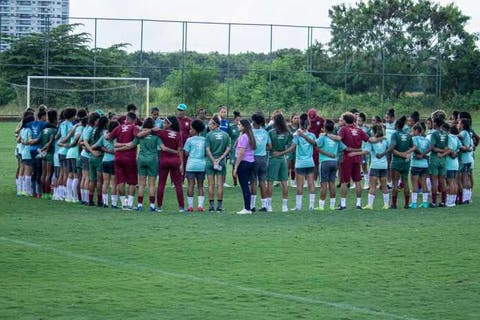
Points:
(63, 261)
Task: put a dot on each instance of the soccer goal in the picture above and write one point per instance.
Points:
(106, 93)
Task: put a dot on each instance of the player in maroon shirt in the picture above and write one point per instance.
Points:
(352, 137)
(130, 108)
(185, 123)
(316, 126)
(125, 163)
(171, 160)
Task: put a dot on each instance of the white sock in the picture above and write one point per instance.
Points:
(122, 201)
(114, 198)
(269, 204)
(386, 199)
(298, 202)
(359, 202)
(28, 185)
(285, 202)
(105, 198)
(201, 200)
(365, 178)
(321, 204)
(69, 194)
(425, 197)
(75, 189)
(469, 194)
(414, 197)
(190, 202)
(332, 202)
(429, 185)
(371, 199)
(18, 182)
(264, 203)
(464, 194)
(130, 201)
(22, 184)
(312, 200)
(253, 199)
(343, 202)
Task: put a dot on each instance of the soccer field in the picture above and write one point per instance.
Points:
(66, 261)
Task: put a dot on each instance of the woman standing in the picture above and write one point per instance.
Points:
(244, 153)
(293, 127)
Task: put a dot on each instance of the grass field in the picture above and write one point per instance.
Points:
(65, 261)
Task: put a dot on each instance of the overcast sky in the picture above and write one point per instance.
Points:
(205, 38)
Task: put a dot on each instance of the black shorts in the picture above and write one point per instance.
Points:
(195, 175)
(84, 161)
(71, 165)
(328, 171)
(108, 167)
(305, 171)
(259, 171)
(27, 162)
(63, 161)
(416, 171)
(379, 173)
(466, 168)
(452, 174)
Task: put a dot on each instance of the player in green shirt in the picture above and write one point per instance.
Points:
(281, 140)
(293, 126)
(234, 134)
(419, 165)
(439, 140)
(452, 164)
(217, 147)
(194, 149)
(48, 149)
(401, 145)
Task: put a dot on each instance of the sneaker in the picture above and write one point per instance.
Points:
(159, 209)
(253, 209)
(413, 206)
(200, 209)
(385, 207)
(91, 204)
(114, 207)
(359, 208)
(153, 209)
(99, 204)
(190, 209)
(182, 209)
(226, 185)
(393, 207)
(293, 184)
(424, 205)
(332, 208)
(341, 208)
(441, 205)
(261, 210)
(219, 209)
(320, 209)
(368, 207)
(311, 208)
(139, 208)
(284, 209)
(126, 208)
(352, 186)
(244, 211)
(432, 205)
(269, 209)
(211, 209)
(366, 186)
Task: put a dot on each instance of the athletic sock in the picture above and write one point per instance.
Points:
(105, 199)
(140, 199)
(321, 204)
(75, 189)
(18, 183)
(312, 200)
(343, 202)
(359, 202)
(201, 200)
(211, 203)
(414, 197)
(253, 199)
(284, 202)
(263, 203)
(269, 204)
(425, 197)
(130, 201)
(219, 204)
(386, 199)
(332, 202)
(371, 199)
(122, 201)
(69, 189)
(298, 202)
(114, 198)
(152, 201)
(444, 196)
(190, 202)
(28, 185)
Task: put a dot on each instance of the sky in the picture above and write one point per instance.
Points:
(167, 36)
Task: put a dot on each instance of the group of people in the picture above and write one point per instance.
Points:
(75, 155)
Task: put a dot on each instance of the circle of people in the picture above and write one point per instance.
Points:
(74, 155)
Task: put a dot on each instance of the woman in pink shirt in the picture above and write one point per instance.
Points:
(244, 154)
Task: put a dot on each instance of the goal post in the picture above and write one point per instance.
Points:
(112, 93)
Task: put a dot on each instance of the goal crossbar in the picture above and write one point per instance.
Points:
(147, 80)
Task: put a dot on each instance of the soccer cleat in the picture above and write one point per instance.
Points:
(153, 209)
(406, 207)
(359, 208)
(190, 209)
(284, 209)
(219, 209)
(139, 208)
(393, 206)
(211, 209)
(126, 208)
(320, 209)
(424, 205)
(368, 207)
(91, 204)
(253, 209)
(114, 207)
(441, 205)
(385, 207)
(226, 185)
(244, 211)
(466, 202)
(332, 208)
(269, 209)
(413, 206)
(99, 204)
(366, 186)
(311, 208)
(295, 209)
(105, 206)
(341, 208)
(432, 205)
(19, 194)
(159, 209)
(261, 210)
(200, 209)
(182, 209)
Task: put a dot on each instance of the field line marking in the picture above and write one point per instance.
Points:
(209, 281)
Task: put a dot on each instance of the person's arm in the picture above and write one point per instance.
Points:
(75, 141)
(284, 152)
(325, 153)
(302, 134)
(69, 135)
(357, 153)
(146, 132)
(239, 158)
(180, 155)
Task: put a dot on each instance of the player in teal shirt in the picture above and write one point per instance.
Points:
(196, 164)
(328, 151)
(452, 164)
(466, 157)
(304, 142)
(419, 165)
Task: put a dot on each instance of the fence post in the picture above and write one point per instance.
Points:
(228, 65)
(270, 57)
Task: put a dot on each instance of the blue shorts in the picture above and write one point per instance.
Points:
(304, 171)
(328, 171)
(379, 173)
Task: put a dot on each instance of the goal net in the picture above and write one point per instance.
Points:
(106, 93)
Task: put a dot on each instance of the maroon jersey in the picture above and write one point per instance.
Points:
(316, 125)
(171, 139)
(123, 120)
(125, 133)
(352, 137)
(185, 124)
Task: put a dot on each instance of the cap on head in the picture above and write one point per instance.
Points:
(99, 112)
(312, 113)
(182, 107)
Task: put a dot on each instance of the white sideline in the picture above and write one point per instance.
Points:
(209, 281)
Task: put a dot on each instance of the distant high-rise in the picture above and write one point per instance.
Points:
(19, 18)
